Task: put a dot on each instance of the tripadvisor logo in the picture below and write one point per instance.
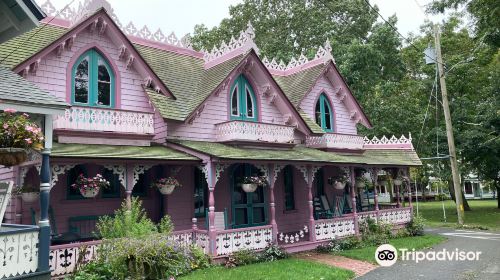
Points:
(387, 255)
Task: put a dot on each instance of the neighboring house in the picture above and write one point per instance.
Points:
(475, 189)
(146, 106)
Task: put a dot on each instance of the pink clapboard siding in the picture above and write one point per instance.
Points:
(342, 121)
(52, 72)
(160, 127)
(6, 175)
(216, 111)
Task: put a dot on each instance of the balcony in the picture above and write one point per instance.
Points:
(105, 120)
(18, 251)
(254, 132)
(336, 141)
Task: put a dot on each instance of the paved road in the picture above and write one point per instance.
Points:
(487, 267)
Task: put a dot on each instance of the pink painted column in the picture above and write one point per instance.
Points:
(398, 197)
(375, 192)
(129, 168)
(212, 233)
(312, 226)
(407, 175)
(272, 208)
(353, 199)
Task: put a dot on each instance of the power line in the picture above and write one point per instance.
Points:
(21, 44)
(399, 33)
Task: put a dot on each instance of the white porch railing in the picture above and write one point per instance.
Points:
(363, 216)
(335, 141)
(395, 216)
(230, 241)
(18, 250)
(105, 120)
(254, 131)
(333, 228)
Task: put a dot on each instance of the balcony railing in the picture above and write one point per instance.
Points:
(105, 120)
(254, 131)
(18, 250)
(336, 141)
(255, 238)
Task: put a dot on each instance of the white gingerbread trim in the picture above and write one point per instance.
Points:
(219, 168)
(244, 41)
(118, 170)
(58, 169)
(384, 140)
(138, 170)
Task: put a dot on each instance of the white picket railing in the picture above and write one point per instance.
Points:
(105, 120)
(18, 250)
(254, 131)
(395, 216)
(335, 141)
(333, 228)
(230, 241)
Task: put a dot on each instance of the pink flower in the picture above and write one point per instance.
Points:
(10, 110)
(29, 128)
(5, 126)
(28, 140)
(26, 115)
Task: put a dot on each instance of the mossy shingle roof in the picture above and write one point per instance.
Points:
(118, 152)
(15, 89)
(296, 85)
(303, 154)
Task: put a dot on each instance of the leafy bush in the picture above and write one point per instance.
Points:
(125, 223)
(337, 245)
(416, 226)
(94, 270)
(244, 257)
(166, 226)
(373, 233)
(272, 253)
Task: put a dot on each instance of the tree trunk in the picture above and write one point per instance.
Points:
(452, 193)
(498, 194)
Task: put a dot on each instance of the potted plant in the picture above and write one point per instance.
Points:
(17, 134)
(382, 181)
(250, 183)
(339, 181)
(89, 187)
(29, 194)
(166, 185)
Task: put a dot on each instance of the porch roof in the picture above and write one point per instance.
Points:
(121, 152)
(302, 154)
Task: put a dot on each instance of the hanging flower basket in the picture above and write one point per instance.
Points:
(17, 134)
(166, 185)
(338, 182)
(398, 182)
(250, 184)
(30, 197)
(12, 156)
(360, 183)
(90, 187)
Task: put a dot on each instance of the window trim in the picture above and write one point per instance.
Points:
(234, 90)
(94, 56)
(242, 84)
(322, 101)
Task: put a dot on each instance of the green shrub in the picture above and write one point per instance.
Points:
(125, 223)
(373, 233)
(245, 256)
(166, 226)
(416, 226)
(272, 253)
(94, 270)
(337, 245)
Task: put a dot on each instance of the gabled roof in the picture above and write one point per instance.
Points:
(297, 85)
(16, 90)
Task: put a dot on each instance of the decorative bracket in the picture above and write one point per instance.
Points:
(277, 170)
(58, 169)
(203, 168)
(118, 170)
(138, 170)
(219, 168)
(264, 169)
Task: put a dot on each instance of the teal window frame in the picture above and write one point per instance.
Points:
(243, 90)
(114, 190)
(324, 107)
(92, 97)
(289, 188)
(200, 190)
(70, 181)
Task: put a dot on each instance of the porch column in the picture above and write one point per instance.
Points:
(272, 208)
(212, 233)
(407, 182)
(374, 172)
(312, 230)
(353, 199)
(398, 196)
(129, 185)
(44, 224)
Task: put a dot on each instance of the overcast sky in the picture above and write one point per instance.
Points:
(181, 16)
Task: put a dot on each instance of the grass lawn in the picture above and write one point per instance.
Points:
(418, 242)
(282, 269)
(484, 213)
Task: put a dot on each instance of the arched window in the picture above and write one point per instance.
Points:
(93, 81)
(243, 101)
(323, 113)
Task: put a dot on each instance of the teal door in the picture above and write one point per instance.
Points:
(248, 209)
(243, 101)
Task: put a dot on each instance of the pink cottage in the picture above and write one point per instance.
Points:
(146, 106)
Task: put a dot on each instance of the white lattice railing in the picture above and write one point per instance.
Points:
(363, 216)
(293, 237)
(64, 258)
(230, 241)
(18, 250)
(201, 239)
(395, 216)
(336, 141)
(333, 228)
(98, 119)
(254, 131)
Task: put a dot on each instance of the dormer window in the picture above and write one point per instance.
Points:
(243, 101)
(93, 81)
(323, 113)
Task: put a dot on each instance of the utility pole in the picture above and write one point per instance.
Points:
(449, 130)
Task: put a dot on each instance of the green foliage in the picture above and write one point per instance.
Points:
(338, 245)
(125, 223)
(166, 226)
(416, 226)
(272, 253)
(373, 233)
(242, 257)
(94, 270)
